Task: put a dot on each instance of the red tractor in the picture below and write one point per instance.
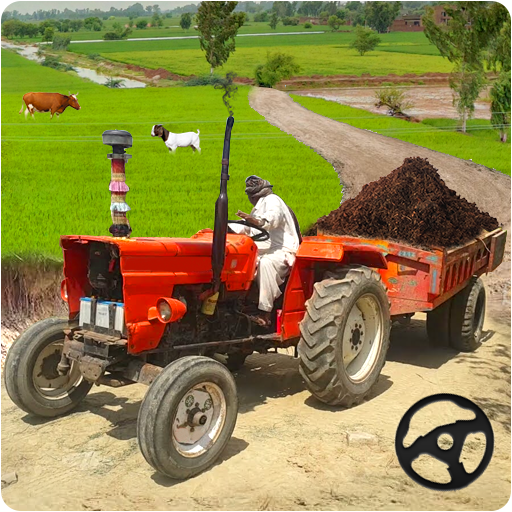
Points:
(158, 310)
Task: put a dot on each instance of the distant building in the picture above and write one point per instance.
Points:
(413, 22)
(407, 23)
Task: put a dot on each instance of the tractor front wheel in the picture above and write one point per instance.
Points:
(345, 336)
(187, 416)
(31, 376)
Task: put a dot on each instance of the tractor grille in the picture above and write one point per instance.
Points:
(102, 316)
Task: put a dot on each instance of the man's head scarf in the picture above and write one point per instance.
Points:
(256, 187)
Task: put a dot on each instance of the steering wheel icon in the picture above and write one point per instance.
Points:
(428, 444)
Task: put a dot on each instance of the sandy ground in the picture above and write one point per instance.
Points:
(427, 101)
(288, 451)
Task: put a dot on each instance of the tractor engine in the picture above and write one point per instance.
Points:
(228, 321)
(104, 273)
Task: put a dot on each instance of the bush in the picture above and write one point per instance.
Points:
(108, 36)
(290, 21)
(204, 80)
(60, 42)
(308, 25)
(141, 24)
(279, 66)
(261, 16)
(94, 56)
(51, 61)
(393, 98)
(114, 83)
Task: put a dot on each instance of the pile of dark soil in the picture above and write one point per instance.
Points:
(411, 205)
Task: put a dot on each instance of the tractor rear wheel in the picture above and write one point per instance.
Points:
(345, 335)
(31, 377)
(187, 416)
(467, 317)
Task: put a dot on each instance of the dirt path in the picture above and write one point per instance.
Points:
(288, 452)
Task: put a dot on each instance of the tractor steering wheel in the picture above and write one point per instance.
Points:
(259, 237)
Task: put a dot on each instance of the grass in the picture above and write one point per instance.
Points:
(171, 28)
(55, 173)
(481, 144)
(321, 54)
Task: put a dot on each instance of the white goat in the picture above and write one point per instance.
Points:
(176, 140)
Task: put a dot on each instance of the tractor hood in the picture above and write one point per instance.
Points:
(152, 267)
(198, 245)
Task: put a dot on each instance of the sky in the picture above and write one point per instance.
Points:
(30, 7)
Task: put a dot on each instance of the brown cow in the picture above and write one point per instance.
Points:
(48, 102)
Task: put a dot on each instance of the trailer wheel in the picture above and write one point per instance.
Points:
(438, 324)
(467, 317)
(345, 336)
(31, 377)
(187, 416)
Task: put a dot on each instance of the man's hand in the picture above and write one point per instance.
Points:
(249, 218)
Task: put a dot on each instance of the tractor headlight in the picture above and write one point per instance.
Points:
(167, 310)
(164, 311)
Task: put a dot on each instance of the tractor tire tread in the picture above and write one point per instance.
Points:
(320, 332)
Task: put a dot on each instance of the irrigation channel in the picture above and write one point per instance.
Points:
(30, 52)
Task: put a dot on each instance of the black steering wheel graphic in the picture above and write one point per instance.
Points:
(428, 444)
(259, 237)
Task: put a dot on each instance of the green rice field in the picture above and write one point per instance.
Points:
(317, 54)
(55, 173)
(481, 144)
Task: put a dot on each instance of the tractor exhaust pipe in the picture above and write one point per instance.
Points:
(221, 213)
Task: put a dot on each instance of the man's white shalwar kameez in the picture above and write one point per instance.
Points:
(276, 255)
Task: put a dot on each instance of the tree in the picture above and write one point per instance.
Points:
(500, 105)
(261, 16)
(334, 22)
(141, 24)
(149, 8)
(218, 26)
(76, 25)
(48, 34)
(9, 28)
(93, 23)
(462, 41)
(156, 20)
(366, 40)
(274, 20)
(499, 58)
(31, 30)
(380, 15)
(279, 66)
(185, 21)
(342, 14)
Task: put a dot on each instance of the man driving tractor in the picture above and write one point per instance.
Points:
(277, 254)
